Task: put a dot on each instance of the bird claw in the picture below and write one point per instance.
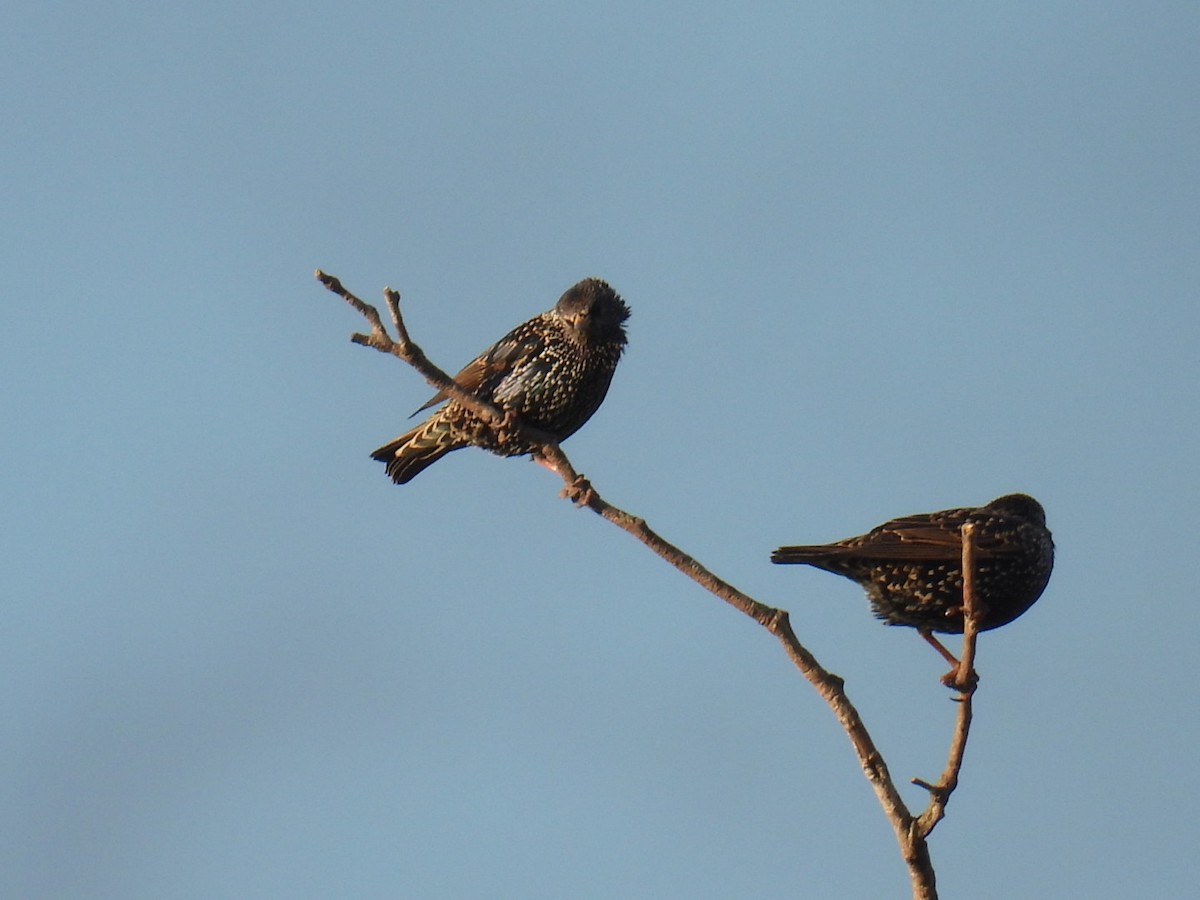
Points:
(955, 679)
(964, 685)
(579, 492)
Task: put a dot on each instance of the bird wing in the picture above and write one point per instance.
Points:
(924, 538)
(487, 368)
(932, 537)
(914, 537)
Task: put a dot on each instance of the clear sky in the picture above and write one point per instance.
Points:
(882, 259)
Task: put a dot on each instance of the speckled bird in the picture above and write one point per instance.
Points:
(911, 567)
(552, 371)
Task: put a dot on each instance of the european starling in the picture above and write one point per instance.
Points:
(912, 567)
(552, 372)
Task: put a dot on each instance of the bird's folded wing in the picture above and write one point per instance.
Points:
(506, 354)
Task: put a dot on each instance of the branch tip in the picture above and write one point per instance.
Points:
(330, 281)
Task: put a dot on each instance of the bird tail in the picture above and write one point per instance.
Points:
(822, 556)
(414, 451)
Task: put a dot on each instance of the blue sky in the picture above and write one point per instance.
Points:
(881, 258)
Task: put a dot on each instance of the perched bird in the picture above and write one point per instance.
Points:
(552, 372)
(911, 567)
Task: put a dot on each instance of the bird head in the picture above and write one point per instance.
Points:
(1021, 505)
(594, 310)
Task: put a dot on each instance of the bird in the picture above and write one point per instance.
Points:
(552, 372)
(911, 567)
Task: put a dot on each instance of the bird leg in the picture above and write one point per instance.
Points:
(953, 678)
(950, 679)
(938, 646)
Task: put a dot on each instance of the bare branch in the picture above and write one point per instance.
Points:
(910, 832)
(393, 302)
(965, 679)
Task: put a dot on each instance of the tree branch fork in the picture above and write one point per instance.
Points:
(911, 830)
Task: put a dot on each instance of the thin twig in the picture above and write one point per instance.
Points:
(404, 348)
(967, 677)
(579, 490)
(964, 679)
(393, 301)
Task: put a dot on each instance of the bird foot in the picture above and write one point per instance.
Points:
(956, 678)
(579, 492)
(963, 682)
